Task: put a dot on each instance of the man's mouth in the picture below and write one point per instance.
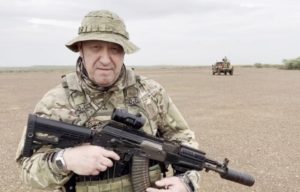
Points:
(104, 69)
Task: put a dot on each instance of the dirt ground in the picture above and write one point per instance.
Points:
(252, 118)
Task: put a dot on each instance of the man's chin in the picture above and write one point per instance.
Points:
(104, 82)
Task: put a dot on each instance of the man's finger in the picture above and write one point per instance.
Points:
(96, 172)
(157, 190)
(101, 167)
(111, 154)
(106, 162)
(167, 181)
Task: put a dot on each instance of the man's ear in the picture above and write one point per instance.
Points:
(79, 45)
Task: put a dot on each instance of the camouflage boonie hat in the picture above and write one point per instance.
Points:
(106, 26)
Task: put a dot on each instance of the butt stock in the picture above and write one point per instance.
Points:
(42, 131)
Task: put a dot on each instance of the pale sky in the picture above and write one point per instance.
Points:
(169, 32)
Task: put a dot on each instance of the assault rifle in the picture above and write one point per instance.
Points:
(123, 136)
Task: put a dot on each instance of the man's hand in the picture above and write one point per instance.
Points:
(89, 159)
(172, 184)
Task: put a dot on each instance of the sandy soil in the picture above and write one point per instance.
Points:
(252, 118)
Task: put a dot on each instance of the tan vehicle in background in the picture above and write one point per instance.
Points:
(222, 67)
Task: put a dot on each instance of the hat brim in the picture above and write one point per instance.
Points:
(128, 47)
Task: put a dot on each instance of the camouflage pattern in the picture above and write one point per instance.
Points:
(119, 184)
(83, 103)
(105, 26)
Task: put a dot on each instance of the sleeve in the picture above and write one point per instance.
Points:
(175, 128)
(39, 170)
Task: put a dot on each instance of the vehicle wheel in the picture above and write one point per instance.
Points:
(225, 73)
(213, 73)
(219, 72)
(231, 72)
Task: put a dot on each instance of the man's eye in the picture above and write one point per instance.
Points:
(116, 50)
(95, 47)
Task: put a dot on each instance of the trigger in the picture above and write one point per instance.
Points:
(123, 158)
(127, 157)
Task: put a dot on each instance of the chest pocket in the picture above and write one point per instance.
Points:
(146, 104)
(77, 99)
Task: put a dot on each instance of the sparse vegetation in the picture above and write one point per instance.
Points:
(35, 69)
(292, 64)
(258, 65)
(247, 66)
(47, 69)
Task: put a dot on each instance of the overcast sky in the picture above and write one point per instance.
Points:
(169, 32)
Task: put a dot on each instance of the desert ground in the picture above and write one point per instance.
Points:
(252, 118)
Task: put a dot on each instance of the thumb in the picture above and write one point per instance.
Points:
(165, 182)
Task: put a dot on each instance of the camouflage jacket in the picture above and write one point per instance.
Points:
(77, 101)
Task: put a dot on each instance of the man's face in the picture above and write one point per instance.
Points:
(103, 61)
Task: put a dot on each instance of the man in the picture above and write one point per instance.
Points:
(87, 98)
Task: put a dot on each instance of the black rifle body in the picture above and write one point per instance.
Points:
(127, 141)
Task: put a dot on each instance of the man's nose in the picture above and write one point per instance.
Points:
(105, 56)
